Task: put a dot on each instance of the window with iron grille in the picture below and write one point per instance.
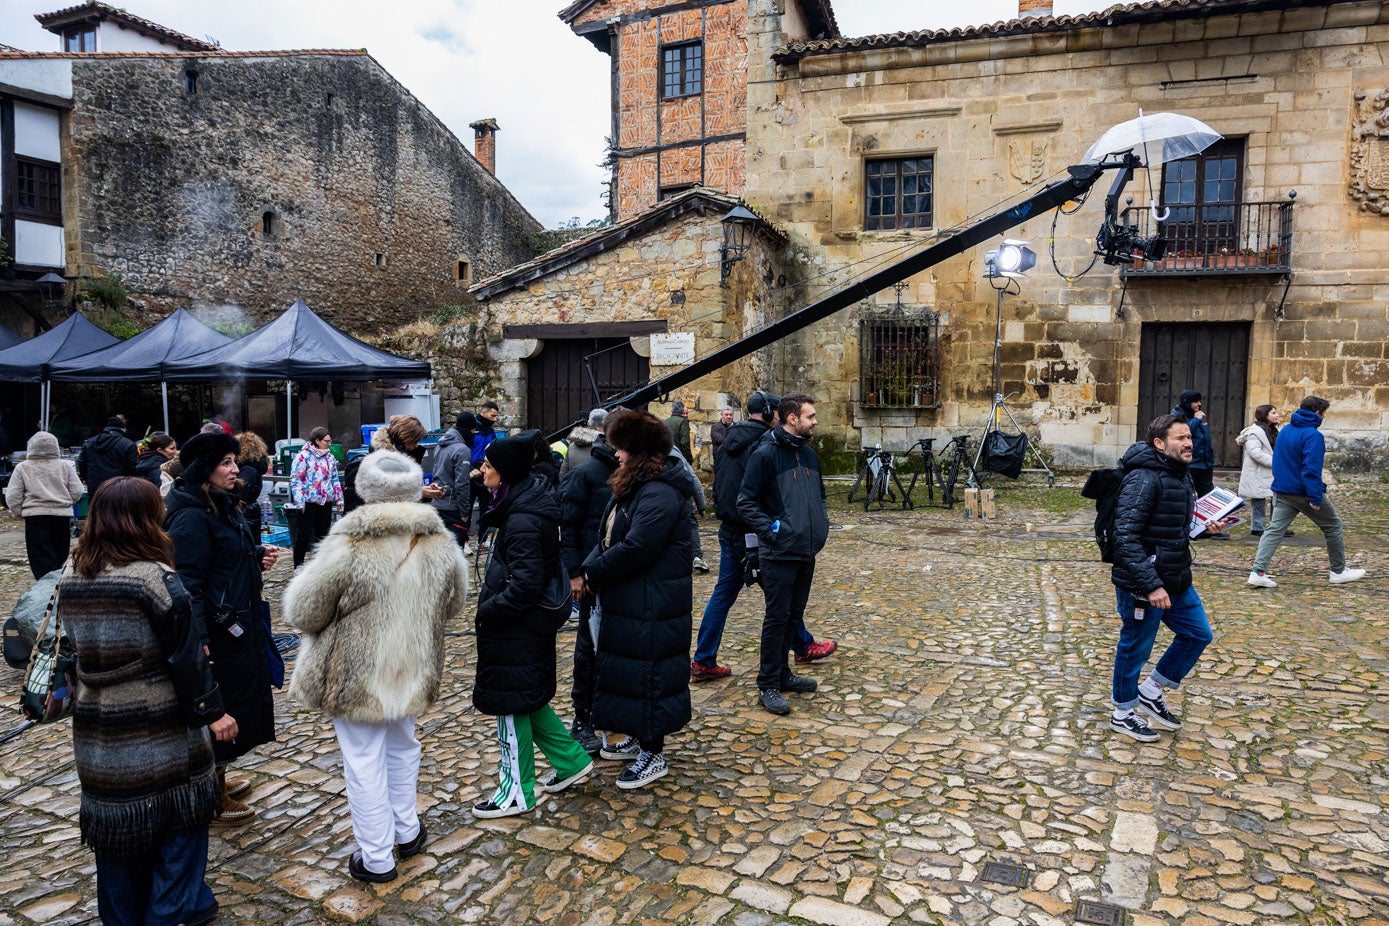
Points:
(898, 193)
(899, 362)
(682, 69)
(38, 191)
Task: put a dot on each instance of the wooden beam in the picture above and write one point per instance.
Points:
(584, 330)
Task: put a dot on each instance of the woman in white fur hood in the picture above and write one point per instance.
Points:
(372, 605)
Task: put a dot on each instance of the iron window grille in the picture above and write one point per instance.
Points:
(899, 362)
(682, 69)
(899, 193)
(38, 191)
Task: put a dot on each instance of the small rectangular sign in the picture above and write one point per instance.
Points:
(672, 349)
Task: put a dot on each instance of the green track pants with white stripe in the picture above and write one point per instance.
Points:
(518, 735)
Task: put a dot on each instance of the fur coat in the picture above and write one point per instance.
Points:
(372, 605)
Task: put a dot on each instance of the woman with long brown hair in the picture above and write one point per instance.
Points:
(145, 696)
(640, 573)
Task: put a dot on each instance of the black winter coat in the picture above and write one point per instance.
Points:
(108, 454)
(641, 570)
(1152, 549)
(252, 476)
(515, 636)
(147, 465)
(783, 484)
(584, 495)
(731, 464)
(218, 559)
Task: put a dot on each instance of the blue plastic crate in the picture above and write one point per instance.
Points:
(279, 538)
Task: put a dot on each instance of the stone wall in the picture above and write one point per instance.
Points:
(369, 200)
(1001, 113)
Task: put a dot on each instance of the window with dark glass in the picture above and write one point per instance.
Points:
(190, 81)
(82, 38)
(1203, 193)
(898, 193)
(682, 69)
(899, 362)
(38, 191)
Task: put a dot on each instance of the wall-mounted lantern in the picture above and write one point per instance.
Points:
(738, 228)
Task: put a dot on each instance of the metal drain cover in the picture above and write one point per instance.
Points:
(1101, 914)
(1004, 873)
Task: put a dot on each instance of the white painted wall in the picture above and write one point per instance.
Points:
(111, 37)
(39, 245)
(36, 132)
(52, 76)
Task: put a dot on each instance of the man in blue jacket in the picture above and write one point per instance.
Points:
(1298, 455)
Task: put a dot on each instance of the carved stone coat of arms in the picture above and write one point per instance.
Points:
(1369, 151)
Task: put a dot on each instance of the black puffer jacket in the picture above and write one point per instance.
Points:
(108, 454)
(641, 572)
(515, 636)
(147, 465)
(218, 559)
(1151, 546)
(783, 484)
(730, 466)
(584, 495)
(252, 476)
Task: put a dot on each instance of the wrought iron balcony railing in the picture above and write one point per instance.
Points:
(1243, 238)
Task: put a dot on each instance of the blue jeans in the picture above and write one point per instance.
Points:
(726, 589)
(1191, 630)
(159, 887)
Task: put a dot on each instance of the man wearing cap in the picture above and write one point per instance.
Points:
(1202, 466)
(108, 454)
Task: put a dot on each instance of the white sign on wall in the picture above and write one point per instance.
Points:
(672, 349)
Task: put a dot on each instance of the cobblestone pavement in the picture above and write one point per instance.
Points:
(964, 721)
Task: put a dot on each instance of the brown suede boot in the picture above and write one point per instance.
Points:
(233, 812)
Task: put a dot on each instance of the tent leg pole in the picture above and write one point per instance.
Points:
(44, 388)
(164, 392)
(289, 410)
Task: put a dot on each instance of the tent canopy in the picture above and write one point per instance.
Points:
(32, 360)
(296, 346)
(142, 358)
(8, 338)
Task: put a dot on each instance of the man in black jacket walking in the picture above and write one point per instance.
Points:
(108, 454)
(730, 464)
(1152, 577)
(584, 494)
(782, 500)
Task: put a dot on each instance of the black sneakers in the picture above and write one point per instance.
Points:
(1133, 727)
(626, 748)
(1156, 708)
(798, 683)
(773, 701)
(583, 735)
(648, 767)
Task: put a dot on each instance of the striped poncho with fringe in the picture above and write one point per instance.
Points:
(144, 772)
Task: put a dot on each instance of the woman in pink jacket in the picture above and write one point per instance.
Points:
(315, 488)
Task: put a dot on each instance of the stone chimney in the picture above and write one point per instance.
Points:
(485, 143)
(1027, 8)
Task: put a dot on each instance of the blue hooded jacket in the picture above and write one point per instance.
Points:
(1298, 456)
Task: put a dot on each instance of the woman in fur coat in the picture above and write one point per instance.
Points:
(372, 605)
(516, 633)
(640, 572)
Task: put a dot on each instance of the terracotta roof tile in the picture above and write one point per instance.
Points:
(93, 9)
(100, 55)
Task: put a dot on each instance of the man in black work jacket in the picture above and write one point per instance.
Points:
(106, 455)
(782, 500)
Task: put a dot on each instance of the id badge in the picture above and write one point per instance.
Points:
(234, 628)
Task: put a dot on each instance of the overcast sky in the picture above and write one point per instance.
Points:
(469, 59)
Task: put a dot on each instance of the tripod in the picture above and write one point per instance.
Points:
(1000, 406)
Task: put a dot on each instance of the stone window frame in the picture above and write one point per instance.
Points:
(899, 361)
(894, 221)
(679, 76)
(381, 260)
(79, 39)
(190, 81)
(463, 270)
(271, 223)
(44, 184)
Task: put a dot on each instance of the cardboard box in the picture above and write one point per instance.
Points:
(979, 504)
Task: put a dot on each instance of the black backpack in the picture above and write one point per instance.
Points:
(1103, 485)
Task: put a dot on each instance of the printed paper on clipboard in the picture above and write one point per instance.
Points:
(1213, 506)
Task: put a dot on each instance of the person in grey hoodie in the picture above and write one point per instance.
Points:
(453, 467)
(42, 491)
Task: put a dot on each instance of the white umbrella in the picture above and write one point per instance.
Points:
(1158, 138)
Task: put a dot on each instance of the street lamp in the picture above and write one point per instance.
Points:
(52, 286)
(738, 227)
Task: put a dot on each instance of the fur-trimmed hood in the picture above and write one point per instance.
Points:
(385, 519)
(584, 437)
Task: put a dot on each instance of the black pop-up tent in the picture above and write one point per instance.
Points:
(142, 358)
(8, 338)
(32, 361)
(297, 346)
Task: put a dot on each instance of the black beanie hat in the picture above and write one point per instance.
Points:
(466, 421)
(201, 453)
(114, 422)
(511, 457)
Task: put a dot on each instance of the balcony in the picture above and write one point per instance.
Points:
(1221, 240)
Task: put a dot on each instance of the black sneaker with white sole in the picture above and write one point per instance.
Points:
(488, 810)
(648, 767)
(1156, 708)
(553, 784)
(627, 748)
(1133, 727)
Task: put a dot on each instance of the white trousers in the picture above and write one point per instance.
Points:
(381, 766)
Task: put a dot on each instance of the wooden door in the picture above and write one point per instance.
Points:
(569, 377)
(1211, 358)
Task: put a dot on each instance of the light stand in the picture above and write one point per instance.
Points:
(1008, 263)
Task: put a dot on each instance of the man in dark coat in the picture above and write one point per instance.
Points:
(732, 462)
(107, 454)
(1202, 467)
(453, 467)
(584, 495)
(719, 430)
(679, 424)
(515, 678)
(782, 500)
(1298, 457)
(220, 563)
(486, 420)
(1152, 577)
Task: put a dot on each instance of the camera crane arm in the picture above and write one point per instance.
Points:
(1081, 178)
